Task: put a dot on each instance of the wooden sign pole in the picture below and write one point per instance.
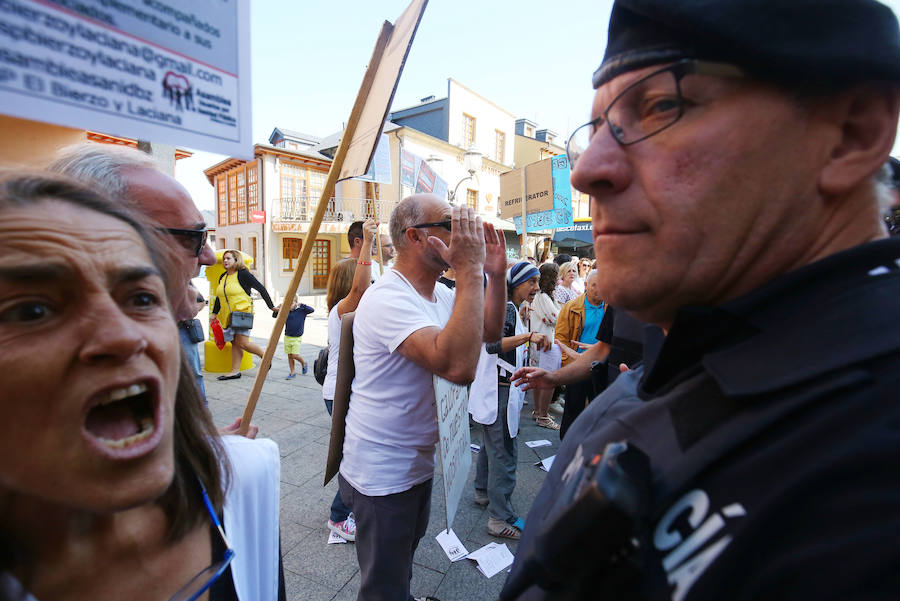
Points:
(327, 193)
(523, 251)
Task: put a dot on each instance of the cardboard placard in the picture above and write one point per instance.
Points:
(539, 185)
(561, 213)
(358, 142)
(381, 91)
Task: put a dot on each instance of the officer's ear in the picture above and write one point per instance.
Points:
(865, 123)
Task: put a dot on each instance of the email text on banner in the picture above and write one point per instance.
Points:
(127, 65)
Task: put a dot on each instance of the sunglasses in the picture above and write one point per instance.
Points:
(192, 240)
(200, 583)
(444, 224)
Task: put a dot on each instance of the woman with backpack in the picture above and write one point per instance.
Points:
(346, 284)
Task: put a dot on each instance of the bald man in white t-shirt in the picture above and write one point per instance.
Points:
(406, 330)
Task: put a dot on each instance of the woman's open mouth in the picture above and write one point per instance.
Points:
(124, 422)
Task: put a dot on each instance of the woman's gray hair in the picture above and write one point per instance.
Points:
(101, 165)
(406, 214)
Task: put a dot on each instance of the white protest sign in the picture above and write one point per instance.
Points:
(533, 444)
(156, 70)
(334, 538)
(546, 463)
(492, 558)
(451, 545)
(452, 402)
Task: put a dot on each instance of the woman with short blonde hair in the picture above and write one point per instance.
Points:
(564, 291)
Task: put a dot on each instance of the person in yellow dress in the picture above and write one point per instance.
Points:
(233, 296)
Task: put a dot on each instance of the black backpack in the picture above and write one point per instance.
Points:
(320, 366)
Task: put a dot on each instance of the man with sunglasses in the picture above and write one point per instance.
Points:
(733, 162)
(406, 330)
(132, 175)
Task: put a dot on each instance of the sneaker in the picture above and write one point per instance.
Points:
(556, 408)
(346, 529)
(426, 599)
(481, 497)
(291, 376)
(305, 369)
(502, 529)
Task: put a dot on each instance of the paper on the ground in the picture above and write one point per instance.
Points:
(449, 542)
(505, 366)
(475, 448)
(334, 539)
(537, 443)
(492, 558)
(546, 464)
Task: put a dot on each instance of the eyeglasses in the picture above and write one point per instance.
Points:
(200, 583)
(444, 224)
(646, 107)
(892, 220)
(192, 240)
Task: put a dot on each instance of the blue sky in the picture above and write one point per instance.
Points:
(533, 58)
(308, 57)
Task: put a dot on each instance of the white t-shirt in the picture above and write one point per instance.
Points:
(250, 516)
(334, 347)
(392, 422)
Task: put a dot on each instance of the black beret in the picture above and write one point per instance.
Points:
(818, 42)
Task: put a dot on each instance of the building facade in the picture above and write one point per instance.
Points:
(264, 207)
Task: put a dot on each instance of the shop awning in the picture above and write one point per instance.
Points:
(574, 237)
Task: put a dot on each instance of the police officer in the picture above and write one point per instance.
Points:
(732, 163)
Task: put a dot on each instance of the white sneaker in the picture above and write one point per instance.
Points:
(346, 529)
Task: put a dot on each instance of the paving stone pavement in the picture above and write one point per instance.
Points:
(291, 412)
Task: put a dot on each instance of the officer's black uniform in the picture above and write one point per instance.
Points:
(772, 424)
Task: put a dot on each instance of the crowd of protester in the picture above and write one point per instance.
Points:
(726, 367)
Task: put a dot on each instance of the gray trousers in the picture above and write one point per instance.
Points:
(388, 530)
(495, 470)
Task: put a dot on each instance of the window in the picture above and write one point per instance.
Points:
(222, 191)
(252, 188)
(468, 134)
(316, 185)
(241, 196)
(321, 261)
(301, 188)
(223, 244)
(237, 242)
(372, 193)
(529, 131)
(499, 145)
(290, 252)
(472, 198)
(238, 194)
(232, 198)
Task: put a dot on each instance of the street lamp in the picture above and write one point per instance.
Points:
(472, 161)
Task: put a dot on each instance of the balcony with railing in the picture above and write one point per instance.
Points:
(302, 209)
